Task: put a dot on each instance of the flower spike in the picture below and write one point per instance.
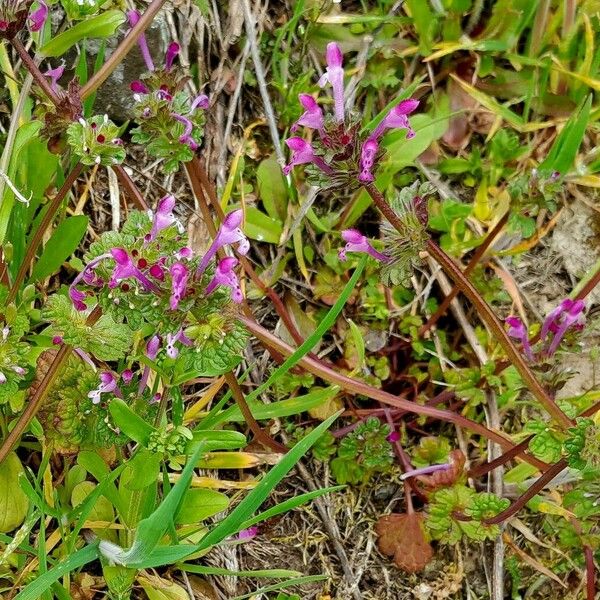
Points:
(134, 16)
(124, 269)
(225, 276)
(312, 116)
(334, 75)
(229, 233)
(357, 242)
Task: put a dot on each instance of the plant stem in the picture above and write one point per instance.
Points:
(264, 438)
(363, 389)
(132, 190)
(41, 392)
(32, 246)
(35, 71)
(479, 252)
(122, 49)
(484, 468)
(483, 309)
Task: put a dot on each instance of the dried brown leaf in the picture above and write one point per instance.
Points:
(402, 536)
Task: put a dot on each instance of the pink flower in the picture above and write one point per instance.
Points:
(172, 338)
(334, 75)
(186, 136)
(134, 17)
(54, 75)
(138, 87)
(77, 298)
(302, 153)
(108, 383)
(247, 534)
(367, 160)
(124, 269)
(229, 233)
(163, 218)
(179, 278)
(397, 118)
(171, 55)
(38, 17)
(127, 375)
(568, 314)
(517, 330)
(357, 242)
(152, 347)
(312, 116)
(225, 276)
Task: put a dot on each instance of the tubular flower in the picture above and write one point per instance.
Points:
(124, 269)
(134, 16)
(426, 470)
(518, 331)
(568, 314)
(225, 276)
(367, 160)
(334, 75)
(138, 87)
(357, 242)
(303, 153)
(54, 75)
(229, 233)
(38, 17)
(200, 101)
(172, 338)
(171, 55)
(108, 384)
(312, 117)
(163, 218)
(186, 136)
(179, 278)
(397, 118)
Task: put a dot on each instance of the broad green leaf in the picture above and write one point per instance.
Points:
(101, 510)
(60, 246)
(216, 440)
(271, 188)
(261, 227)
(14, 503)
(129, 422)
(100, 26)
(96, 467)
(199, 504)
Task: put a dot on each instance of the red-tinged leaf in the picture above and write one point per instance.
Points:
(403, 537)
(448, 477)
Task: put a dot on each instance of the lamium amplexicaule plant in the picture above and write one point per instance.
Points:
(123, 376)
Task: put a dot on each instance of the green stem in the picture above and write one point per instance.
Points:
(122, 50)
(483, 309)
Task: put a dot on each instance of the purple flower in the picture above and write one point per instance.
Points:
(312, 117)
(397, 118)
(38, 17)
(77, 298)
(225, 276)
(124, 269)
(172, 338)
(302, 153)
(134, 17)
(334, 75)
(186, 137)
(179, 278)
(108, 383)
(246, 534)
(517, 330)
(54, 75)
(171, 55)
(184, 252)
(367, 160)
(394, 436)
(357, 242)
(127, 375)
(163, 218)
(229, 233)
(568, 314)
(200, 101)
(152, 347)
(138, 87)
(57, 340)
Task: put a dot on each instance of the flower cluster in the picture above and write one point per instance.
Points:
(341, 155)
(15, 14)
(96, 141)
(568, 315)
(170, 122)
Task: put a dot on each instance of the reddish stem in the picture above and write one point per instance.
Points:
(590, 572)
(131, 189)
(484, 468)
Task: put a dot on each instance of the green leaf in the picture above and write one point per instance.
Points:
(270, 573)
(271, 188)
(129, 422)
(14, 503)
(101, 509)
(60, 246)
(199, 504)
(216, 440)
(261, 227)
(101, 26)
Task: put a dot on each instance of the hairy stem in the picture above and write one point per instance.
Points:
(483, 309)
(32, 246)
(35, 71)
(41, 392)
(122, 49)
(477, 255)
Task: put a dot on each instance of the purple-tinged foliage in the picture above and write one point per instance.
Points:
(357, 242)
